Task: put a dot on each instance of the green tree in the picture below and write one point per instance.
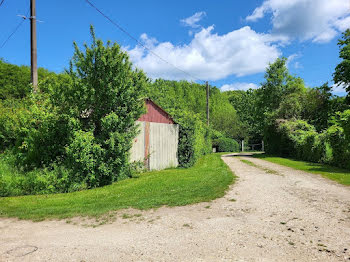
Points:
(271, 91)
(338, 104)
(179, 95)
(104, 95)
(224, 119)
(244, 102)
(290, 107)
(318, 106)
(270, 95)
(341, 75)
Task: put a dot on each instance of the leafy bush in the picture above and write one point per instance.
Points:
(15, 182)
(339, 139)
(83, 157)
(276, 141)
(44, 135)
(224, 144)
(194, 139)
(298, 139)
(228, 145)
(34, 130)
(14, 116)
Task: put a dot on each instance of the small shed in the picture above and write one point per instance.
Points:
(157, 143)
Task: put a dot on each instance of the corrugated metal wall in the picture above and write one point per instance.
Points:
(164, 140)
(137, 152)
(160, 143)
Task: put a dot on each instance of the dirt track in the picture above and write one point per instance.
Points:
(288, 216)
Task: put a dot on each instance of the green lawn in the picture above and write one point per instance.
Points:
(207, 180)
(339, 175)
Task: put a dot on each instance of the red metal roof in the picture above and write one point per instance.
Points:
(155, 114)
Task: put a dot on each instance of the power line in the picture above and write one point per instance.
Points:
(15, 30)
(2, 1)
(138, 42)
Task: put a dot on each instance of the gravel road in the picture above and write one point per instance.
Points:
(285, 215)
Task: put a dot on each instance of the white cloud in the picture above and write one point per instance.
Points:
(291, 61)
(343, 24)
(209, 56)
(149, 42)
(239, 86)
(297, 65)
(192, 21)
(291, 58)
(316, 20)
(339, 90)
(259, 12)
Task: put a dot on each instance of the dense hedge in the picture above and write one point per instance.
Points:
(298, 139)
(224, 144)
(194, 138)
(339, 139)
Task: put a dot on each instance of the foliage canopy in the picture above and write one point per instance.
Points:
(341, 75)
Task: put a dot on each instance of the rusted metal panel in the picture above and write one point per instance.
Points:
(147, 145)
(155, 114)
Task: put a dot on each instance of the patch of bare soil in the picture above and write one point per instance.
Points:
(293, 216)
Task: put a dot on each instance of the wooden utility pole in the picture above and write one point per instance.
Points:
(33, 48)
(207, 85)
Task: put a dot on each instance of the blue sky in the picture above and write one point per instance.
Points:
(227, 42)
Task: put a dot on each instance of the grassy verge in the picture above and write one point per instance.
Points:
(207, 180)
(339, 175)
(249, 163)
(267, 170)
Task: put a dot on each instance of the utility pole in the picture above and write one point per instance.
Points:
(207, 85)
(33, 48)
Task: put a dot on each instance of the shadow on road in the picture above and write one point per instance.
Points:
(249, 154)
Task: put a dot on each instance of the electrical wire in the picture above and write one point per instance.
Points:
(14, 31)
(140, 43)
(2, 1)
